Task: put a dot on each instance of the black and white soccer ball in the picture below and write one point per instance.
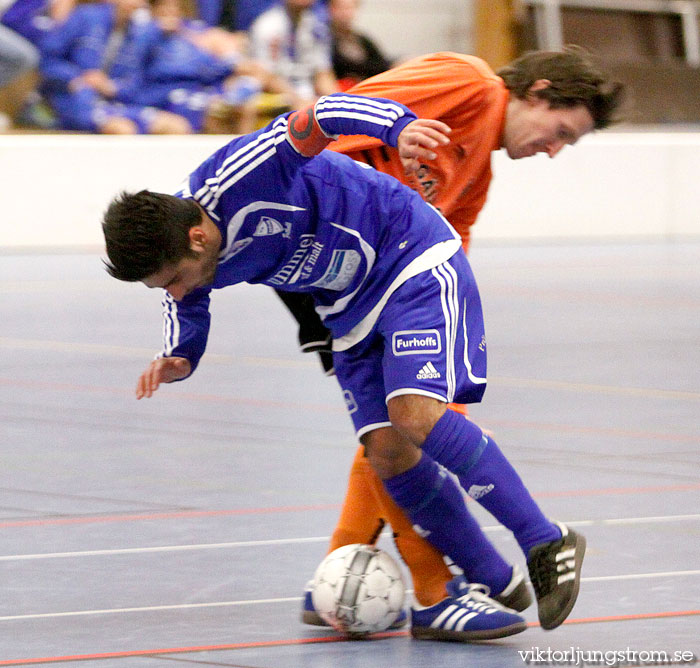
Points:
(358, 589)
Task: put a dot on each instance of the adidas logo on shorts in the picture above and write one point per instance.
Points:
(477, 491)
(428, 371)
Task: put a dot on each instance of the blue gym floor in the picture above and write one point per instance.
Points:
(181, 530)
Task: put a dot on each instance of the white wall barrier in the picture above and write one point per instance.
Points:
(407, 28)
(611, 185)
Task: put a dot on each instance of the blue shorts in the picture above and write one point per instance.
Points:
(428, 340)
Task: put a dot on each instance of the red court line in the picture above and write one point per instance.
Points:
(186, 650)
(183, 514)
(308, 641)
(180, 514)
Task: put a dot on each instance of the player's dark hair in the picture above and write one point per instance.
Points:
(575, 80)
(146, 231)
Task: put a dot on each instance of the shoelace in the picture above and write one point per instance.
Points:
(477, 598)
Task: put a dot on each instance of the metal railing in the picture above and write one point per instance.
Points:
(549, 25)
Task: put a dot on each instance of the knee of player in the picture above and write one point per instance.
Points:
(414, 415)
(116, 125)
(388, 452)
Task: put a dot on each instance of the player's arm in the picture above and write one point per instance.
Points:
(312, 128)
(185, 333)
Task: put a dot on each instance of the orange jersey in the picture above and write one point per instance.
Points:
(461, 91)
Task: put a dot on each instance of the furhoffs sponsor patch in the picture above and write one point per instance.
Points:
(416, 342)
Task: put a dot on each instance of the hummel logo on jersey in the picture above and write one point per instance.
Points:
(428, 371)
(477, 491)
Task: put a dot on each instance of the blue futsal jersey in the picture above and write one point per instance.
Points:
(326, 225)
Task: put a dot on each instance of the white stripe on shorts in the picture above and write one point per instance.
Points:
(447, 277)
(414, 390)
(474, 379)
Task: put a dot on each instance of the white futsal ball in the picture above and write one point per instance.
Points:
(358, 589)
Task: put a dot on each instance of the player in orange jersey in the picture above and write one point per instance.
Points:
(537, 104)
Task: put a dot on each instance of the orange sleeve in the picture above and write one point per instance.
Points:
(449, 87)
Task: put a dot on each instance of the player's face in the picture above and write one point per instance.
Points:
(532, 127)
(193, 271)
(129, 6)
(166, 9)
(342, 12)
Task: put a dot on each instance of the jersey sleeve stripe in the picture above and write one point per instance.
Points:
(239, 164)
(357, 116)
(356, 99)
(171, 325)
(213, 185)
(279, 125)
(241, 173)
(231, 163)
(330, 110)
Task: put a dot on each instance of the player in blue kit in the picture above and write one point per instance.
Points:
(92, 70)
(391, 283)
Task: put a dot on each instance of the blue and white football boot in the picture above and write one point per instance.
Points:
(466, 615)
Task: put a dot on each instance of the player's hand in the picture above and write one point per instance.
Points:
(95, 79)
(163, 370)
(417, 140)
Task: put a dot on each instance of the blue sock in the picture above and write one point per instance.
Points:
(434, 502)
(488, 477)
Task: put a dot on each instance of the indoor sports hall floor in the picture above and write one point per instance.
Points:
(180, 530)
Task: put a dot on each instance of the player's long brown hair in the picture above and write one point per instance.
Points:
(575, 79)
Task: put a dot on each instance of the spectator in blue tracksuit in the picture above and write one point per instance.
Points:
(192, 67)
(92, 69)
